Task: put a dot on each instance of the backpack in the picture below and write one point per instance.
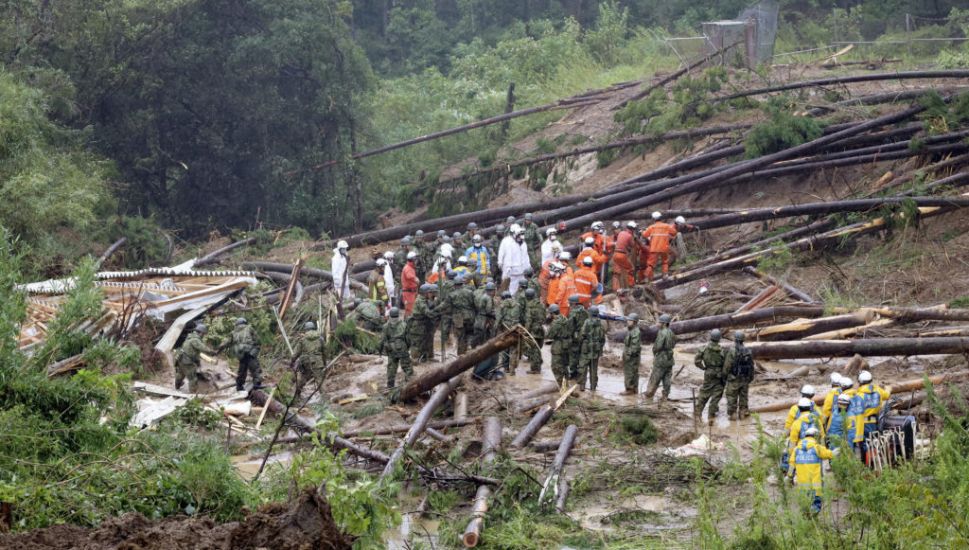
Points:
(743, 366)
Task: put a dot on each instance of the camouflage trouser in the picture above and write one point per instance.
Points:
(186, 371)
(659, 374)
(422, 345)
(508, 358)
(248, 364)
(445, 329)
(737, 396)
(393, 360)
(311, 367)
(560, 366)
(575, 353)
(589, 368)
(630, 370)
(534, 354)
(711, 391)
(463, 335)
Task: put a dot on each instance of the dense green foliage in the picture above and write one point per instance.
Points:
(782, 130)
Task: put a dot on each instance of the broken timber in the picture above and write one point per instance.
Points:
(554, 480)
(540, 419)
(491, 441)
(420, 422)
(865, 347)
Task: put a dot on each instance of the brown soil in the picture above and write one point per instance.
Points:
(307, 524)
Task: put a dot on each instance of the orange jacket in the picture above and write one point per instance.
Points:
(585, 282)
(552, 294)
(564, 289)
(610, 243)
(660, 234)
(625, 243)
(598, 259)
(408, 278)
(599, 238)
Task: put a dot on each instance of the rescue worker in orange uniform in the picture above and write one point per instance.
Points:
(659, 235)
(555, 270)
(589, 251)
(564, 288)
(409, 283)
(621, 266)
(587, 283)
(598, 235)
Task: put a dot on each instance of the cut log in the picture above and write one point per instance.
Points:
(727, 320)
(525, 405)
(909, 385)
(548, 386)
(432, 378)
(491, 441)
(65, 366)
(806, 327)
(420, 422)
(867, 347)
(546, 445)
(307, 271)
(540, 419)
(860, 330)
(460, 406)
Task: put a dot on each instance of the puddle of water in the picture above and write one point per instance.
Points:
(248, 465)
(648, 513)
(412, 526)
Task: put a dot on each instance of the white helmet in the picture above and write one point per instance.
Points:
(587, 260)
(835, 379)
(680, 220)
(864, 377)
(342, 245)
(411, 255)
(551, 231)
(388, 255)
(589, 241)
(657, 215)
(804, 403)
(846, 383)
(807, 390)
(565, 256)
(462, 259)
(556, 247)
(515, 229)
(597, 226)
(616, 225)
(556, 267)
(811, 432)
(381, 262)
(632, 225)
(446, 250)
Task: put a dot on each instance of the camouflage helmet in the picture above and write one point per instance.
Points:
(506, 295)
(441, 233)
(554, 308)
(419, 233)
(715, 335)
(529, 293)
(394, 312)
(665, 318)
(634, 317)
(201, 328)
(500, 228)
(574, 299)
(594, 311)
(738, 336)
(241, 321)
(431, 287)
(489, 287)
(309, 325)
(528, 272)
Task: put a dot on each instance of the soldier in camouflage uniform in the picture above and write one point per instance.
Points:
(531, 281)
(366, 315)
(394, 344)
(245, 346)
(710, 361)
(445, 287)
(309, 350)
(461, 305)
(535, 324)
(484, 314)
(560, 335)
(577, 317)
(738, 370)
(425, 254)
(189, 358)
(662, 359)
(632, 355)
(509, 315)
(593, 338)
(533, 239)
(421, 324)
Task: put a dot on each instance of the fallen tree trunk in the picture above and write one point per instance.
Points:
(287, 269)
(818, 208)
(491, 441)
(802, 328)
(432, 378)
(909, 385)
(213, 257)
(905, 75)
(727, 320)
(867, 347)
(110, 251)
(540, 419)
(818, 226)
(420, 422)
(437, 424)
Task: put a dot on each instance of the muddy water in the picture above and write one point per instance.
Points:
(643, 513)
(248, 465)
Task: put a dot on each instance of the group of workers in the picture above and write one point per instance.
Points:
(243, 344)
(847, 417)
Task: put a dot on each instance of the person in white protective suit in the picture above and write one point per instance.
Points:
(513, 259)
(551, 239)
(338, 267)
